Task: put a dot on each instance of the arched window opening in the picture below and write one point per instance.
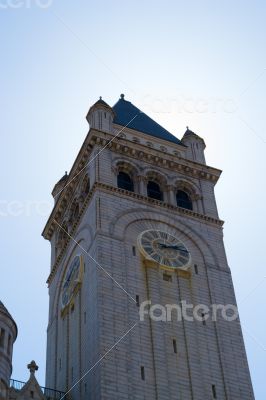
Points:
(124, 181)
(86, 185)
(9, 344)
(76, 211)
(183, 200)
(154, 191)
(63, 235)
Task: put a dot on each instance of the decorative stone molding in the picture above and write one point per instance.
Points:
(134, 150)
(120, 192)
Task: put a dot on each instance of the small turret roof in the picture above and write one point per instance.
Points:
(101, 101)
(4, 310)
(64, 178)
(191, 134)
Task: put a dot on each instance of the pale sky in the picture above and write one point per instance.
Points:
(195, 63)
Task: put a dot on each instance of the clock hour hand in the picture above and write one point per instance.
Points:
(174, 247)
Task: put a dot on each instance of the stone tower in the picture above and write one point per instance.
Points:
(8, 335)
(134, 228)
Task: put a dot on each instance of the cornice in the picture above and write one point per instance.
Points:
(157, 157)
(127, 194)
(136, 151)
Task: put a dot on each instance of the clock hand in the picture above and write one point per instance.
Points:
(174, 247)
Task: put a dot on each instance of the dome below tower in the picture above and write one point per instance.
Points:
(8, 335)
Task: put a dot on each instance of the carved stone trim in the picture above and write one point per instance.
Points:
(136, 196)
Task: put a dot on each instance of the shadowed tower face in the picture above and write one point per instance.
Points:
(137, 266)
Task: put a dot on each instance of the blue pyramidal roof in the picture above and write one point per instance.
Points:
(126, 114)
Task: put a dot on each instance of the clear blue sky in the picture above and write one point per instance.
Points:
(196, 63)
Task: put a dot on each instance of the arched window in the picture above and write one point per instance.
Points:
(154, 191)
(183, 200)
(86, 185)
(76, 211)
(124, 181)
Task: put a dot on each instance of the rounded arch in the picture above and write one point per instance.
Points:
(156, 184)
(62, 234)
(85, 185)
(122, 221)
(154, 190)
(184, 200)
(73, 211)
(125, 181)
(188, 187)
(126, 174)
(82, 244)
(156, 175)
(121, 164)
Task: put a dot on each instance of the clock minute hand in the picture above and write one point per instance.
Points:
(169, 246)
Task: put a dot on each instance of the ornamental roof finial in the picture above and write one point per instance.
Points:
(33, 367)
(122, 96)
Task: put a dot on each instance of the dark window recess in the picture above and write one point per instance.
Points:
(174, 346)
(9, 345)
(85, 317)
(72, 307)
(142, 372)
(124, 181)
(86, 185)
(32, 394)
(154, 191)
(2, 337)
(214, 392)
(85, 387)
(167, 277)
(60, 364)
(137, 300)
(196, 269)
(203, 319)
(76, 212)
(133, 250)
(183, 200)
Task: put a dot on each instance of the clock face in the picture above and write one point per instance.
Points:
(164, 249)
(71, 280)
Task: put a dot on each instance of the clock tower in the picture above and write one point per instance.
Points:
(135, 229)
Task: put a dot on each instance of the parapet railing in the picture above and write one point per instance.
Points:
(50, 394)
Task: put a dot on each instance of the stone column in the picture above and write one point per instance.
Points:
(171, 195)
(198, 202)
(142, 183)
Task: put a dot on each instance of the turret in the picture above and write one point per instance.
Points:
(101, 116)
(8, 335)
(59, 186)
(195, 146)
